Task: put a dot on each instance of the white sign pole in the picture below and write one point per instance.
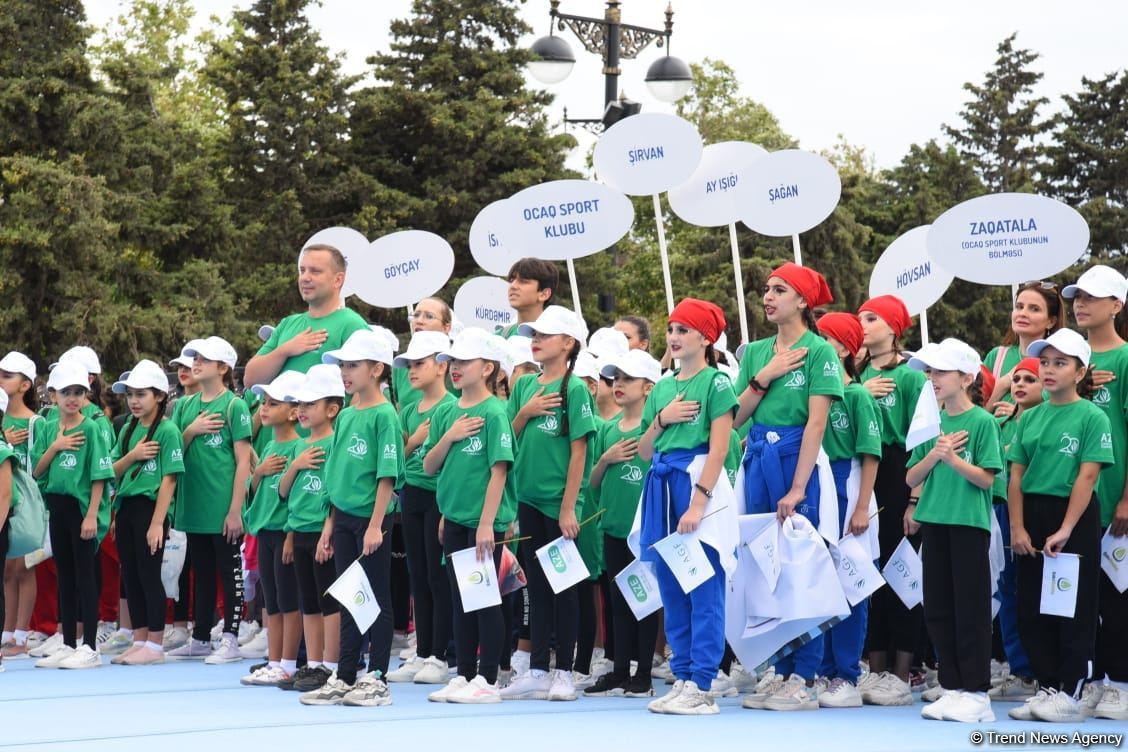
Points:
(1014, 291)
(575, 287)
(924, 327)
(739, 278)
(665, 256)
(795, 247)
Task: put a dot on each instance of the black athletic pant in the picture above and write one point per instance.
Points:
(634, 640)
(957, 603)
(212, 554)
(401, 580)
(585, 638)
(606, 585)
(313, 577)
(182, 607)
(478, 635)
(140, 568)
(348, 542)
(75, 562)
(1060, 650)
(279, 582)
(549, 613)
(429, 588)
(5, 540)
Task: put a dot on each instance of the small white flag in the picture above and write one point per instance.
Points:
(765, 552)
(685, 556)
(926, 417)
(1059, 584)
(477, 580)
(353, 591)
(905, 574)
(1114, 559)
(639, 587)
(859, 577)
(562, 564)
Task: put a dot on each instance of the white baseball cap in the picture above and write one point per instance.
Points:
(17, 362)
(145, 375)
(212, 348)
(182, 359)
(387, 335)
(1100, 281)
(284, 384)
(1065, 340)
(422, 345)
(587, 365)
(4, 399)
(637, 364)
(321, 381)
(84, 356)
(474, 343)
(265, 332)
(68, 373)
(949, 355)
(456, 326)
(363, 344)
(556, 320)
(518, 350)
(608, 343)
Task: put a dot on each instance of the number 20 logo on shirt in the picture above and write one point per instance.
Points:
(312, 484)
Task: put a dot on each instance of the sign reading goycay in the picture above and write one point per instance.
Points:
(1008, 238)
(567, 219)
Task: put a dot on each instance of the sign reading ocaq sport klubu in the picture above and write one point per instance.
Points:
(567, 219)
(403, 268)
(647, 154)
(907, 271)
(1008, 238)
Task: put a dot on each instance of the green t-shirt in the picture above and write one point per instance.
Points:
(621, 488)
(23, 449)
(462, 481)
(1113, 399)
(785, 403)
(338, 325)
(368, 447)
(508, 331)
(307, 506)
(948, 498)
(543, 453)
(267, 510)
(203, 495)
(410, 419)
(71, 473)
(1053, 440)
(734, 456)
(852, 427)
(8, 453)
(897, 407)
(1010, 360)
(709, 387)
(146, 479)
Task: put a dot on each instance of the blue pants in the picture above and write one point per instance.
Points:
(846, 640)
(1008, 608)
(695, 623)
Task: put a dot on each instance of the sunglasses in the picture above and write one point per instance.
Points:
(1039, 283)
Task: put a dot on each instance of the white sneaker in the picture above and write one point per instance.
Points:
(47, 647)
(1025, 711)
(247, 631)
(723, 686)
(267, 676)
(217, 632)
(1113, 704)
(478, 691)
(562, 688)
(433, 671)
(519, 662)
(840, 694)
(455, 685)
(332, 692)
(889, 689)
(969, 707)
(765, 688)
(934, 711)
(1013, 689)
(868, 680)
(407, 670)
(35, 639)
(743, 679)
(83, 657)
(191, 650)
(1091, 696)
(659, 705)
(117, 643)
(661, 669)
(227, 652)
(174, 637)
(692, 700)
(401, 640)
(256, 647)
(999, 672)
(56, 657)
(601, 666)
(582, 681)
(793, 694)
(1059, 708)
(932, 694)
(370, 692)
(529, 687)
(105, 629)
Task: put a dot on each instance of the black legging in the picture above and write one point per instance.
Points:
(548, 612)
(348, 542)
(401, 585)
(213, 555)
(5, 538)
(182, 606)
(634, 640)
(75, 563)
(140, 569)
(585, 639)
(429, 588)
(313, 577)
(478, 635)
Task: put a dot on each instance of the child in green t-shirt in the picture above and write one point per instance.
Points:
(8, 497)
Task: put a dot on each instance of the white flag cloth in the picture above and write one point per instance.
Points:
(905, 574)
(856, 571)
(997, 557)
(639, 587)
(869, 540)
(562, 564)
(1059, 584)
(477, 580)
(765, 552)
(925, 424)
(172, 562)
(828, 494)
(353, 591)
(686, 558)
(1114, 559)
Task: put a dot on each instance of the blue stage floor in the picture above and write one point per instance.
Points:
(190, 706)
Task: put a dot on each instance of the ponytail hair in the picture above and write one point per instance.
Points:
(493, 381)
(975, 390)
(229, 378)
(1121, 323)
(711, 356)
(809, 320)
(385, 379)
(565, 426)
(850, 367)
(158, 416)
(1086, 387)
(95, 393)
(897, 360)
(31, 397)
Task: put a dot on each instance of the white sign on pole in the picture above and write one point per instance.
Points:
(562, 564)
(905, 574)
(647, 154)
(1060, 578)
(483, 303)
(488, 235)
(790, 192)
(402, 268)
(859, 577)
(1114, 559)
(685, 556)
(566, 219)
(639, 586)
(906, 270)
(477, 580)
(711, 196)
(1007, 238)
(351, 243)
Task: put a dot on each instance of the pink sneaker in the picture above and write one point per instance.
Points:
(143, 656)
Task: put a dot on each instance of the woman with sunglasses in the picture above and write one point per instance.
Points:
(1038, 312)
